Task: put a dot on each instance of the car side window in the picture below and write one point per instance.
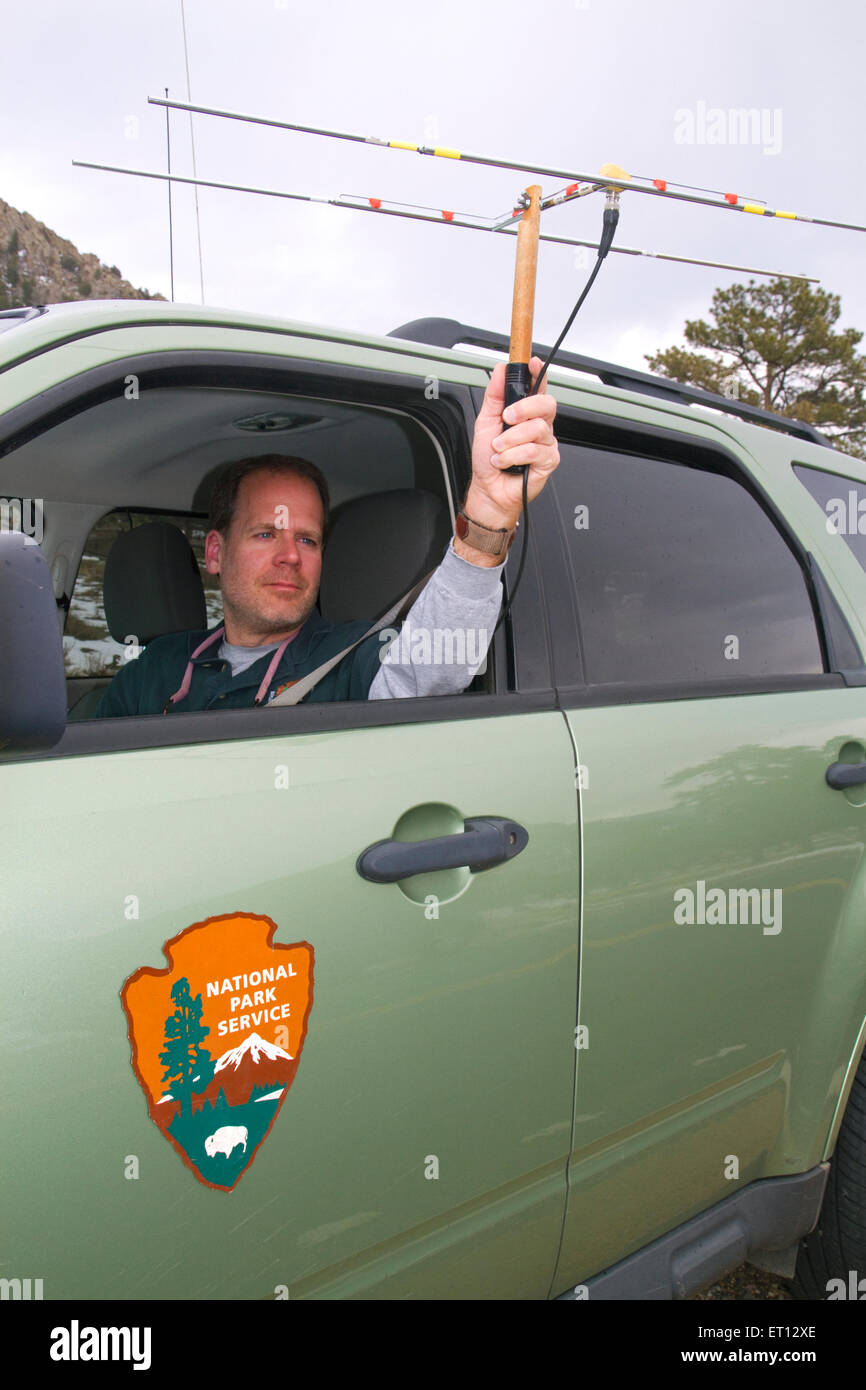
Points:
(89, 650)
(394, 460)
(679, 574)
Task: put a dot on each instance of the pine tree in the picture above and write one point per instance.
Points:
(773, 345)
(188, 1067)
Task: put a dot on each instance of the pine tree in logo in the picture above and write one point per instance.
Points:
(188, 1067)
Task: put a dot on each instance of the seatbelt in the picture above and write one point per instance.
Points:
(306, 683)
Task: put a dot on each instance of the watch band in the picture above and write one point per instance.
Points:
(484, 538)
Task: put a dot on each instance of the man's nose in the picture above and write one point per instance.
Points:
(289, 550)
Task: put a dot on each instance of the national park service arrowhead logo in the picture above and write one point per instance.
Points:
(217, 1037)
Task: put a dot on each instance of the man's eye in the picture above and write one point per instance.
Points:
(307, 540)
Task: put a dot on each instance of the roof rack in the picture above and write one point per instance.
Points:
(447, 333)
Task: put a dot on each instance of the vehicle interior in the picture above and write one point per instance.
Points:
(124, 485)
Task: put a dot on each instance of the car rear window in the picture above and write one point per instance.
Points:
(843, 501)
(88, 647)
(679, 574)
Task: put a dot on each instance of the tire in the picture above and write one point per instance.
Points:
(838, 1243)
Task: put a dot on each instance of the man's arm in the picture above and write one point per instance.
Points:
(455, 614)
(444, 639)
(143, 684)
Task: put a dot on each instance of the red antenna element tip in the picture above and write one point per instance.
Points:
(572, 188)
(375, 202)
(661, 185)
(449, 216)
(732, 199)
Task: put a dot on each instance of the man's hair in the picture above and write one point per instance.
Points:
(224, 496)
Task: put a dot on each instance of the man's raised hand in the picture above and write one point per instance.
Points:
(526, 436)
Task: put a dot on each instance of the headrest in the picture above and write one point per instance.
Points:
(152, 584)
(377, 548)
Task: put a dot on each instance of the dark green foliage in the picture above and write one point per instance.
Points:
(188, 1066)
(773, 345)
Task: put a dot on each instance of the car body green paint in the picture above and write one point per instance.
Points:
(446, 1036)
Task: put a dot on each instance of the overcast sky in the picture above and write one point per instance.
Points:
(654, 87)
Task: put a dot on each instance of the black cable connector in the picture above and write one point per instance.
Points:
(611, 217)
(610, 220)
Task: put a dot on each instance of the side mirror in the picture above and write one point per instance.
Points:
(32, 677)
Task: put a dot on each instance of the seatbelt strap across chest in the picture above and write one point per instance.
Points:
(302, 687)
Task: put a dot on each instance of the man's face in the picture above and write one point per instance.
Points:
(270, 563)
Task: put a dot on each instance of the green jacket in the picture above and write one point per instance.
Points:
(144, 685)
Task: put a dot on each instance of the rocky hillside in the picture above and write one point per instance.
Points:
(39, 267)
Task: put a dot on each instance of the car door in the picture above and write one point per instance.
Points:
(420, 1145)
(720, 872)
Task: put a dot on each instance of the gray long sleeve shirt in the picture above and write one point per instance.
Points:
(444, 638)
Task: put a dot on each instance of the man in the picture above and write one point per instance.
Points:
(265, 542)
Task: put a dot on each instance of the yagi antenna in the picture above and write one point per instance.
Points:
(611, 179)
(476, 224)
(610, 176)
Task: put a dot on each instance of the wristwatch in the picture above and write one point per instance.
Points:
(484, 538)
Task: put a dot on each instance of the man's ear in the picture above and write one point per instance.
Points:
(213, 551)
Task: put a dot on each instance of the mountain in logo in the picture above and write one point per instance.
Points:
(252, 1065)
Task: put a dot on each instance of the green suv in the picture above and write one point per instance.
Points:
(561, 980)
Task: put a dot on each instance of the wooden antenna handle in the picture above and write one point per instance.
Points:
(520, 349)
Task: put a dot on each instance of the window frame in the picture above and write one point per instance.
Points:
(519, 651)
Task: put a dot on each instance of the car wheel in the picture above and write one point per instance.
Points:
(837, 1246)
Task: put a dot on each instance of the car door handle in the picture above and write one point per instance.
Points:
(484, 841)
(842, 775)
